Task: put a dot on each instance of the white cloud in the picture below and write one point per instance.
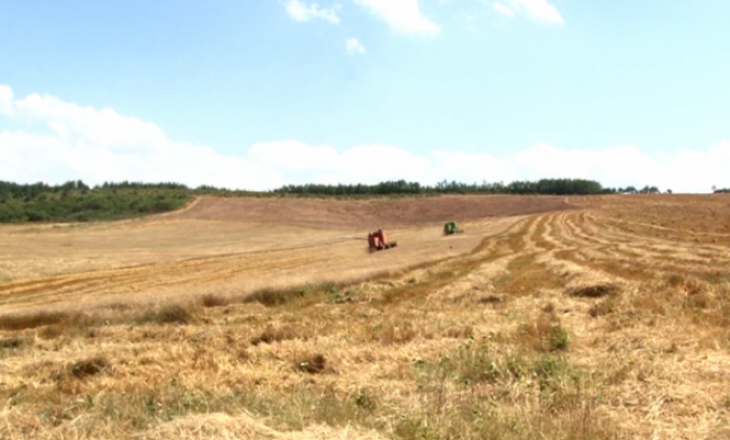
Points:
(503, 9)
(100, 127)
(300, 11)
(540, 11)
(402, 15)
(684, 170)
(293, 155)
(354, 47)
(101, 145)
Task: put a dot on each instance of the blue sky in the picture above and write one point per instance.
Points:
(257, 93)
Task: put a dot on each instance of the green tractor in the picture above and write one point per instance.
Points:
(452, 228)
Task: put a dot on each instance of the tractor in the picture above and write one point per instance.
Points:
(378, 241)
(452, 228)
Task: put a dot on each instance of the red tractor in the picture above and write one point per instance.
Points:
(378, 241)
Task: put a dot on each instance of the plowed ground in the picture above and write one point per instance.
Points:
(611, 320)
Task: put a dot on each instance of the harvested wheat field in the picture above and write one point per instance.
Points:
(550, 318)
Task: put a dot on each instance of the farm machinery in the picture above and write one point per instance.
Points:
(452, 228)
(379, 242)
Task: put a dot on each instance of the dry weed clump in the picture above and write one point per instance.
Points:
(593, 291)
(274, 297)
(604, 307)
(11, 343)
(392, 332)
(212, 300)
(89, 367)
(673, 297)
(29, 320)
(80, 370)
(311, 364)
(460, 332)
(492, 300)
(273, 334)
(168, 314)
(545, 334)
(482, 392)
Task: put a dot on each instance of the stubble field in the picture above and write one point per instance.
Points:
(556, 318)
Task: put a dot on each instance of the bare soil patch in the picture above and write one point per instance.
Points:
(387, 213)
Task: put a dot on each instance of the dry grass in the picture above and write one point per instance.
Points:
(37, 319)
(553, 330)
(526, 277)
(168, 314)
(274, 334)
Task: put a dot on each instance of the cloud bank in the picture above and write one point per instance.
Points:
(61, 141)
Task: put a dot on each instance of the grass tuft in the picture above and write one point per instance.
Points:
(546, 334)
(594, 291)
(273, 334)
(167, 314)
(11, 343)
(30, 320)
(210, 301)
(274, 297)
(311, 364)
(89, 367)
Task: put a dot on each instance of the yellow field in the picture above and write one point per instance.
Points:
(591, 318)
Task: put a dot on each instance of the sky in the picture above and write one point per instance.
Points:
(255, 94)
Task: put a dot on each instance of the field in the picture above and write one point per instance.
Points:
(550, 318)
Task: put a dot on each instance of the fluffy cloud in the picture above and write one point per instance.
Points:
(300, 11)
(101, 145)
(402, 15)
(539, 11)
(503, 9)
(104, 128)
(354, 47)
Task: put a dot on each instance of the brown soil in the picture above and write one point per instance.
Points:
(387, 213)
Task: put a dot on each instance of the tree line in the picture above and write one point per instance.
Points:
(543, 186)
(75, 201)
